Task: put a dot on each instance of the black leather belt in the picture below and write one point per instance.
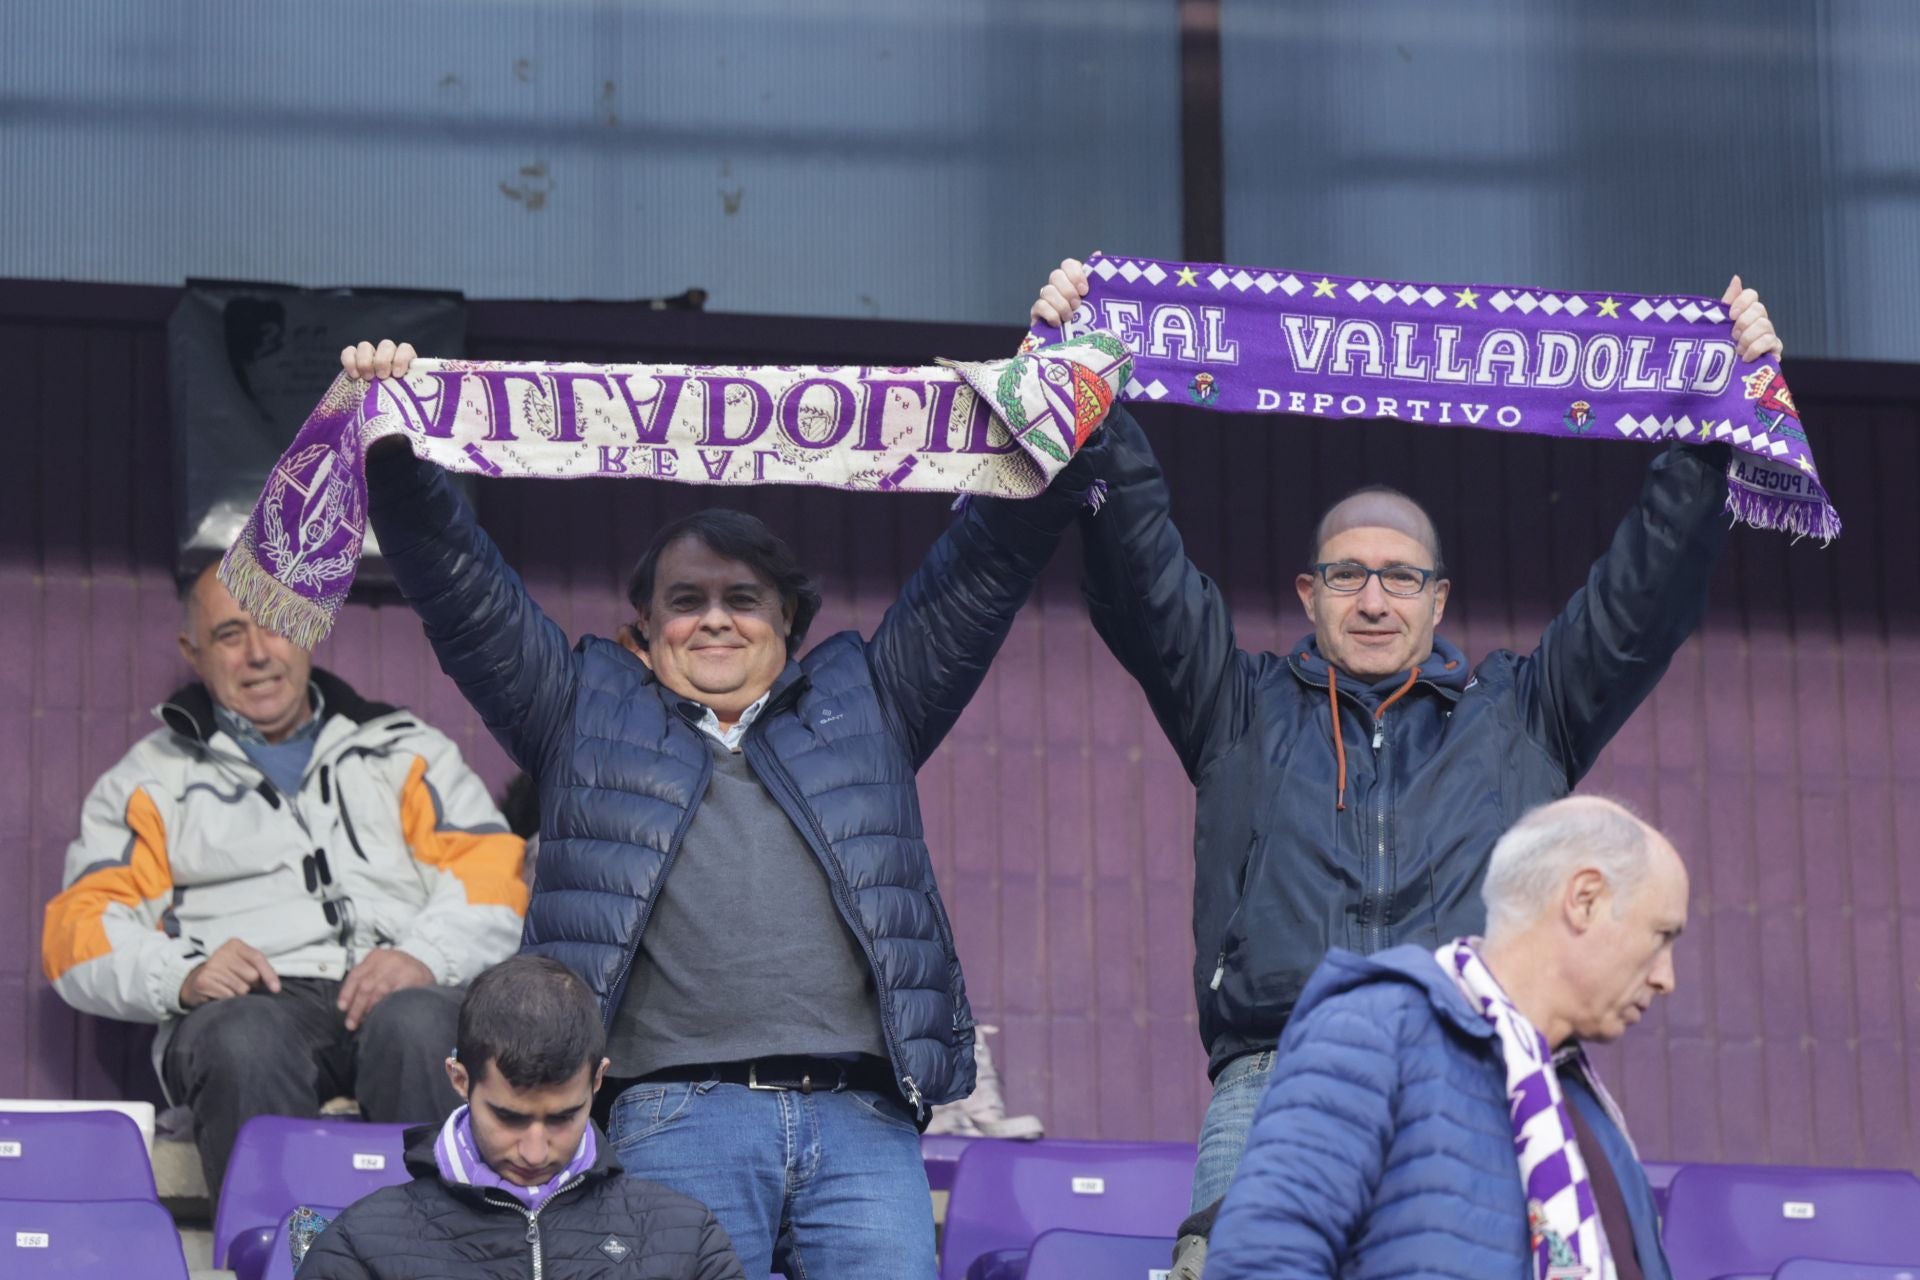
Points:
(802, 1075)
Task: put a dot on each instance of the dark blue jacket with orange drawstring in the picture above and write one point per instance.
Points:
(1330, 815)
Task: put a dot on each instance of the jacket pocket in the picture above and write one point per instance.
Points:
(1232, 937)
(1259, 969)
(1231, 945)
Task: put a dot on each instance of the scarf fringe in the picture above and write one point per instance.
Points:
(1798, 517)
(272, 604)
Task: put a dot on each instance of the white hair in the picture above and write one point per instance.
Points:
(1533, 861)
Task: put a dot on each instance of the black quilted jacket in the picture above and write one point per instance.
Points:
(1287, 862)
(607, 1226)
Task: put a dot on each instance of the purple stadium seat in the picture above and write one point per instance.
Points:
(941, 1154)
(1821, 1269)
(1660, 1176)
(73, 1155)
(1725, 1220)
(1006, 1192)
(280, 1164)
(1077, 1255)
(89, 1240)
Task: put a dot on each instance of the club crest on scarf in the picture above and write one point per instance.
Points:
(1092, 397)
(1551, 1246)
(1076, 380)
(1579, 419)
(311, 517)
(1775, 411)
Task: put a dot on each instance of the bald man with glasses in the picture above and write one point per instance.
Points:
(1350, 790)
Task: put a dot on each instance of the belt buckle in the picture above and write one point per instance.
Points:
(753, 1082)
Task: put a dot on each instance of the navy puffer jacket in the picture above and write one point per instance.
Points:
(621, 772)
(1436, 762)
(1383, 1148)
(602, 1225)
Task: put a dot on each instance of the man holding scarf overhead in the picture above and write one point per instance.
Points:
(731, 851)
(1350, 789)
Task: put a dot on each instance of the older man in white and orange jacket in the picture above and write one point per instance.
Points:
(293, 881)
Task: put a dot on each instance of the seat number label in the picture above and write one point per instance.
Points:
(365, 1160)
(1089, 1186)
(30, 1240)
(9, 1151)
(1797, 1209)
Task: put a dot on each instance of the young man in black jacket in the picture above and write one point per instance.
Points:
(520, 1177)
(1351, 789)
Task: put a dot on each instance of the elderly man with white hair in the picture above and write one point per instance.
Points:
(1432, 1114)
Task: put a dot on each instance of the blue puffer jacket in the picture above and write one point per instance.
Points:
(620, 771)
(1438, 762)
(1382, 1149)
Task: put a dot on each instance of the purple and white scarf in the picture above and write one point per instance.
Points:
(459, 1160)
(1563, 1220)
(1003, 427)
(1596, 366)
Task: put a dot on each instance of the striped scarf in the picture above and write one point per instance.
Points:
(1563, 1220)
(460, 1162)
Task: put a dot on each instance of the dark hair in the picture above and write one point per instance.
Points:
(1383, 491)
(534, 1020)
(737, 536)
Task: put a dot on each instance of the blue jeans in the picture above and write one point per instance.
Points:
(840, 1171)
(1223, 1134)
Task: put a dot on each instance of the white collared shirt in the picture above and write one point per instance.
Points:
(709, 723)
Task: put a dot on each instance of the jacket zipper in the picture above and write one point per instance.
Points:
(1375, 936)
(1233, 917)
(945, 930)
(790, 799)
(533, 1220)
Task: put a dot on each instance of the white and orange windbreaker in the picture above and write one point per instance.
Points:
(392, 841)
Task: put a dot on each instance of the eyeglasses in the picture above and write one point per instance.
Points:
(1346, 577)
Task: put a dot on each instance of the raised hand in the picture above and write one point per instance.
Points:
(1752, 328)
(1062, 293)
(387, 360)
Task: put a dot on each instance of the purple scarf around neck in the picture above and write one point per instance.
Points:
(1585, 365)
(458, 1157)
(1565, 1236)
